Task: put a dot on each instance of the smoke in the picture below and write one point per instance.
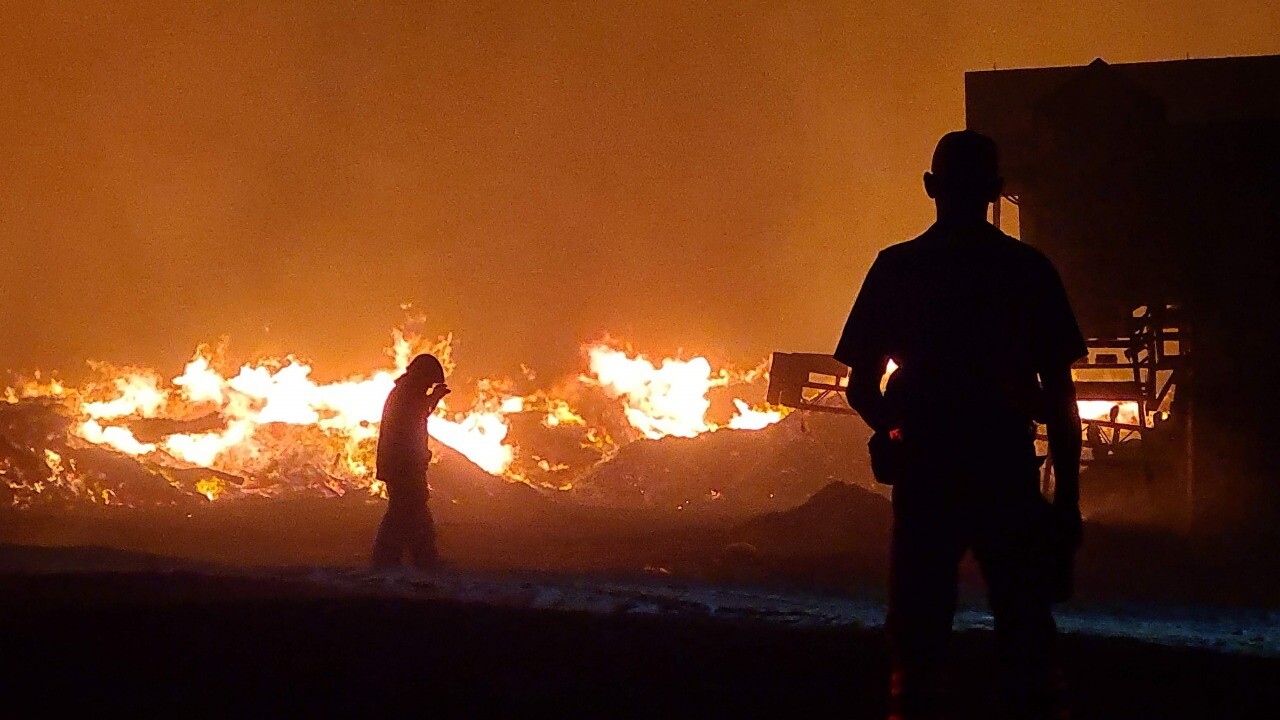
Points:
(716, 177)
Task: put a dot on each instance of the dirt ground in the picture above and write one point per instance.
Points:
(183, 643)
(838, 542)
(159, 636)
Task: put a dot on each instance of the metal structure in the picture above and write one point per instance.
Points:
(1158, 184)
(808, 381)
(1139, 370)
(1149, 185)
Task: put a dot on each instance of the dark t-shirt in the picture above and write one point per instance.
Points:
(970, 318)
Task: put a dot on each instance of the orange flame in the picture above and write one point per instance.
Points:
(669, 397)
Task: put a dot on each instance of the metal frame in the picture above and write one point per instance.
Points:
(817, 382)
(1154, 371)
(808, 381)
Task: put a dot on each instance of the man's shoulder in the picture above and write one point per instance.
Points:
(1025, 254)
(1013, 244)
(1015, 251)
(905, 250)
(996, 244)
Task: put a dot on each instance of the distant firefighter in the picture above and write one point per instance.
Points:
(407, 529)
(984, 339)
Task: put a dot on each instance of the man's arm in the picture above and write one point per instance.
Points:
(1059, 344)
(864, 396)
(435, 396)
(864, 346)
(1062, 420)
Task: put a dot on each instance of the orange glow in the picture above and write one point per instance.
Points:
(246, 420)
(671, 398)
(1101, 410)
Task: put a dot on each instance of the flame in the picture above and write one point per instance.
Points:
(751, 419)
(670, 398)
(265, 393)
(137, 394)
(479, 436)
(54, 461)
(1127, 412)
(199, 382)
(270, 421)
(559, 413)
(36, 388)
(280, 392)
(204, 448)
(120, 438)
(256, 419)
(211, 487)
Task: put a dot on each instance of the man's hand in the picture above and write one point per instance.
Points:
(1062, 425)
(435, 396)
(864, 396)
(1069, 522)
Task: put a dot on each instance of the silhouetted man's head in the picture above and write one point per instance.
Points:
(424, 370)
(964, 177)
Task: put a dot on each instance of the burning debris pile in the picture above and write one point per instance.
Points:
(779, 467)
(42, 457)
(133, 437)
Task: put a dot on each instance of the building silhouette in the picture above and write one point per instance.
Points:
(1157, 186)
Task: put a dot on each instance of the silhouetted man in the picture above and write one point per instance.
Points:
(984, 338)
(403, 457)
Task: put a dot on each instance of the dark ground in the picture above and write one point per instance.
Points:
(193, 645)
(158, 636)
(836, 542)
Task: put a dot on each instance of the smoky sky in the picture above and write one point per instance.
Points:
(715, 177)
